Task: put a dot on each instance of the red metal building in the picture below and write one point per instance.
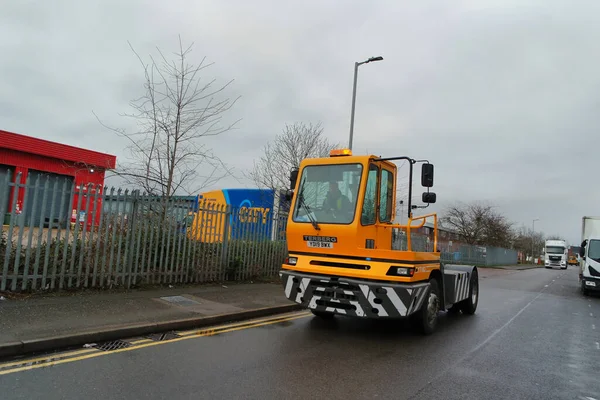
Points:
(41, 161)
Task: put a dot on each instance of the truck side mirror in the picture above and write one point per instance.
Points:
(427, 175)
(428, 197)
(581, 251)
(288, 195)
(293, 178)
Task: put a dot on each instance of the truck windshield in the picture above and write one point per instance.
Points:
(555, 250)
(327, 194)
(594, 250)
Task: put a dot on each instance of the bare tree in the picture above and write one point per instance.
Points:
(176, 112)
(526, 241)
(478, 224)
(296, 142)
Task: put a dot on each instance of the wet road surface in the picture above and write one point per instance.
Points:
(534, 336)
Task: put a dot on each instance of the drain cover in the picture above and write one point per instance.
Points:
(159, 337)
(113, 345)
(183, 301)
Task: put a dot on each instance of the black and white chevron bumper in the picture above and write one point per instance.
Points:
(354, 297)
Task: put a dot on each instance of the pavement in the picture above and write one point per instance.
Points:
(42, 323)
(534, 336)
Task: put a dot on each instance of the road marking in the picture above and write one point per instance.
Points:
(146, 343)
(58, 356)
(236, 324)
(497, 331)
(593, 326)
(591, 315)
(45, 358)
(546, 286)
(597, 346)
(480, 345)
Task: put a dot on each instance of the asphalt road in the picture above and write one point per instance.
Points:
(534, 337)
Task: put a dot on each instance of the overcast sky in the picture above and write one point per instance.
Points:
(502, 96)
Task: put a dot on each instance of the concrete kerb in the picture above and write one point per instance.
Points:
(25, 347)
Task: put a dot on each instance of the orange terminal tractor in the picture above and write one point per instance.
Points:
(341, 259)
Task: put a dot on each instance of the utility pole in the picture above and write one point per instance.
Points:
(533, 238)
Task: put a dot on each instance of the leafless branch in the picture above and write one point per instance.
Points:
(177, 110)
(479, 224)
(296, 142)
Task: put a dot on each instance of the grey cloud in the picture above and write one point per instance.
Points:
(501, 98)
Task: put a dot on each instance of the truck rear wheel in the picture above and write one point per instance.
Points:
(469, 305)
(426, 319)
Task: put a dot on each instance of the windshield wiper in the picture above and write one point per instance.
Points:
(313, 221)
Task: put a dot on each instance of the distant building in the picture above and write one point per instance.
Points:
(444, 234)
(64, 168)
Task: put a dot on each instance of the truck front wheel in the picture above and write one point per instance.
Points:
(584, 291)
(426, 318)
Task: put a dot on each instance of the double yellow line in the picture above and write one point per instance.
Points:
(78, 355)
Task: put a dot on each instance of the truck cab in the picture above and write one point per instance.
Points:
(341, 258)
(555, 254)
(590, 265)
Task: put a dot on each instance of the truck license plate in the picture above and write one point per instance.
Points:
(588, 283)
(327, 245)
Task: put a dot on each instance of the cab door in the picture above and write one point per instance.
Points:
(377, 208)
(367, 237)
(385, 207)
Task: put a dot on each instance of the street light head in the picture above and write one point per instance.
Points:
(375, 59)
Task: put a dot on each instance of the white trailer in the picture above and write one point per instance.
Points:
(555, 254)
(589, 254)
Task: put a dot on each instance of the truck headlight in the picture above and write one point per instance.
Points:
(291, 260)
(401, 271)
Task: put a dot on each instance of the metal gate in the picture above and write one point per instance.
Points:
(38, 203)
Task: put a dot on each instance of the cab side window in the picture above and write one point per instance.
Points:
(386, 196)
(369, 209)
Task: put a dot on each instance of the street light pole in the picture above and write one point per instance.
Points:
(356, 65)
(533, 237)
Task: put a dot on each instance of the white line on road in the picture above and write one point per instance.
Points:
(593, 326)
(591, 315)
(546, 286)
(486, 341)
(597, 346)
(497, 331)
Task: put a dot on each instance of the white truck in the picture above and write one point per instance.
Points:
(555, 254)
(589, 255)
